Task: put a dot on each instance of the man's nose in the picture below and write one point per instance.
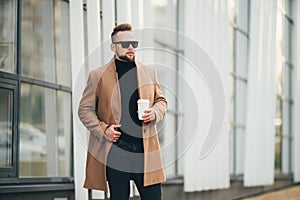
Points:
(130, 46)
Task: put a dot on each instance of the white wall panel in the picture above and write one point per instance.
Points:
(207, 24)
(261, 96)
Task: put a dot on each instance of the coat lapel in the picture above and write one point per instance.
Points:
(116, 94)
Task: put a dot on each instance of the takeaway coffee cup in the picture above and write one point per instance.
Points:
(143, 104)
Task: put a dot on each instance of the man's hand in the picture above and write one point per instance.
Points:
(111, 133)
(148, 115)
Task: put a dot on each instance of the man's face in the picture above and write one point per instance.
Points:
(124, 53)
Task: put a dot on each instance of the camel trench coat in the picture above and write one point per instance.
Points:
(100, 106)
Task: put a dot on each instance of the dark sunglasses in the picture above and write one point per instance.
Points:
(126, 44)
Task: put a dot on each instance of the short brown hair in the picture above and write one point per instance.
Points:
(121, 27)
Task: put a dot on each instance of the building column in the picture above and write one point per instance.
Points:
(93, 34)
(78, 82)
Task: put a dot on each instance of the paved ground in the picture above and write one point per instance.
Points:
(291, 193)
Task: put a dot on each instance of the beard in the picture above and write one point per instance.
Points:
(127, 58)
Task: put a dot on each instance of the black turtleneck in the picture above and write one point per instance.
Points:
(131, 128)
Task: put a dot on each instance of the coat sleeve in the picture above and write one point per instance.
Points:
(87, 108)
(160, 103)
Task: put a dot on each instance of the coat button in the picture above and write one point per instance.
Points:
(144, 130)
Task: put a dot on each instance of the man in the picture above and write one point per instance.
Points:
(122, 147)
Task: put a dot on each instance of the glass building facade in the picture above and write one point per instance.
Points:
(35, 85)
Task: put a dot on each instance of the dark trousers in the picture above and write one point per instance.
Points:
(125, 162)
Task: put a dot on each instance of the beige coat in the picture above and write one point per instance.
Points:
(100, 106)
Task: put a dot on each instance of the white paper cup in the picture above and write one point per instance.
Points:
(143, 104)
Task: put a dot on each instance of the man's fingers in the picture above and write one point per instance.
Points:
(117, 133)
(148, 119)
(147, 110)
(112, 134)
(148, 115)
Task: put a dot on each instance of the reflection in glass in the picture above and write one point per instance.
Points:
(64, 133)
(45, 132)
(37, 57)
(32, 131)
(5, 127)
(62, 43)
(45, 41)
(7, 35)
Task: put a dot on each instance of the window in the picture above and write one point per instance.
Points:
(45, 41)
(239, 81)
(6, 99)
(44, 132)
(45, 108)
(7, 35)
(8, 136)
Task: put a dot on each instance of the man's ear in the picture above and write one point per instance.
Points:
(113, 47)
